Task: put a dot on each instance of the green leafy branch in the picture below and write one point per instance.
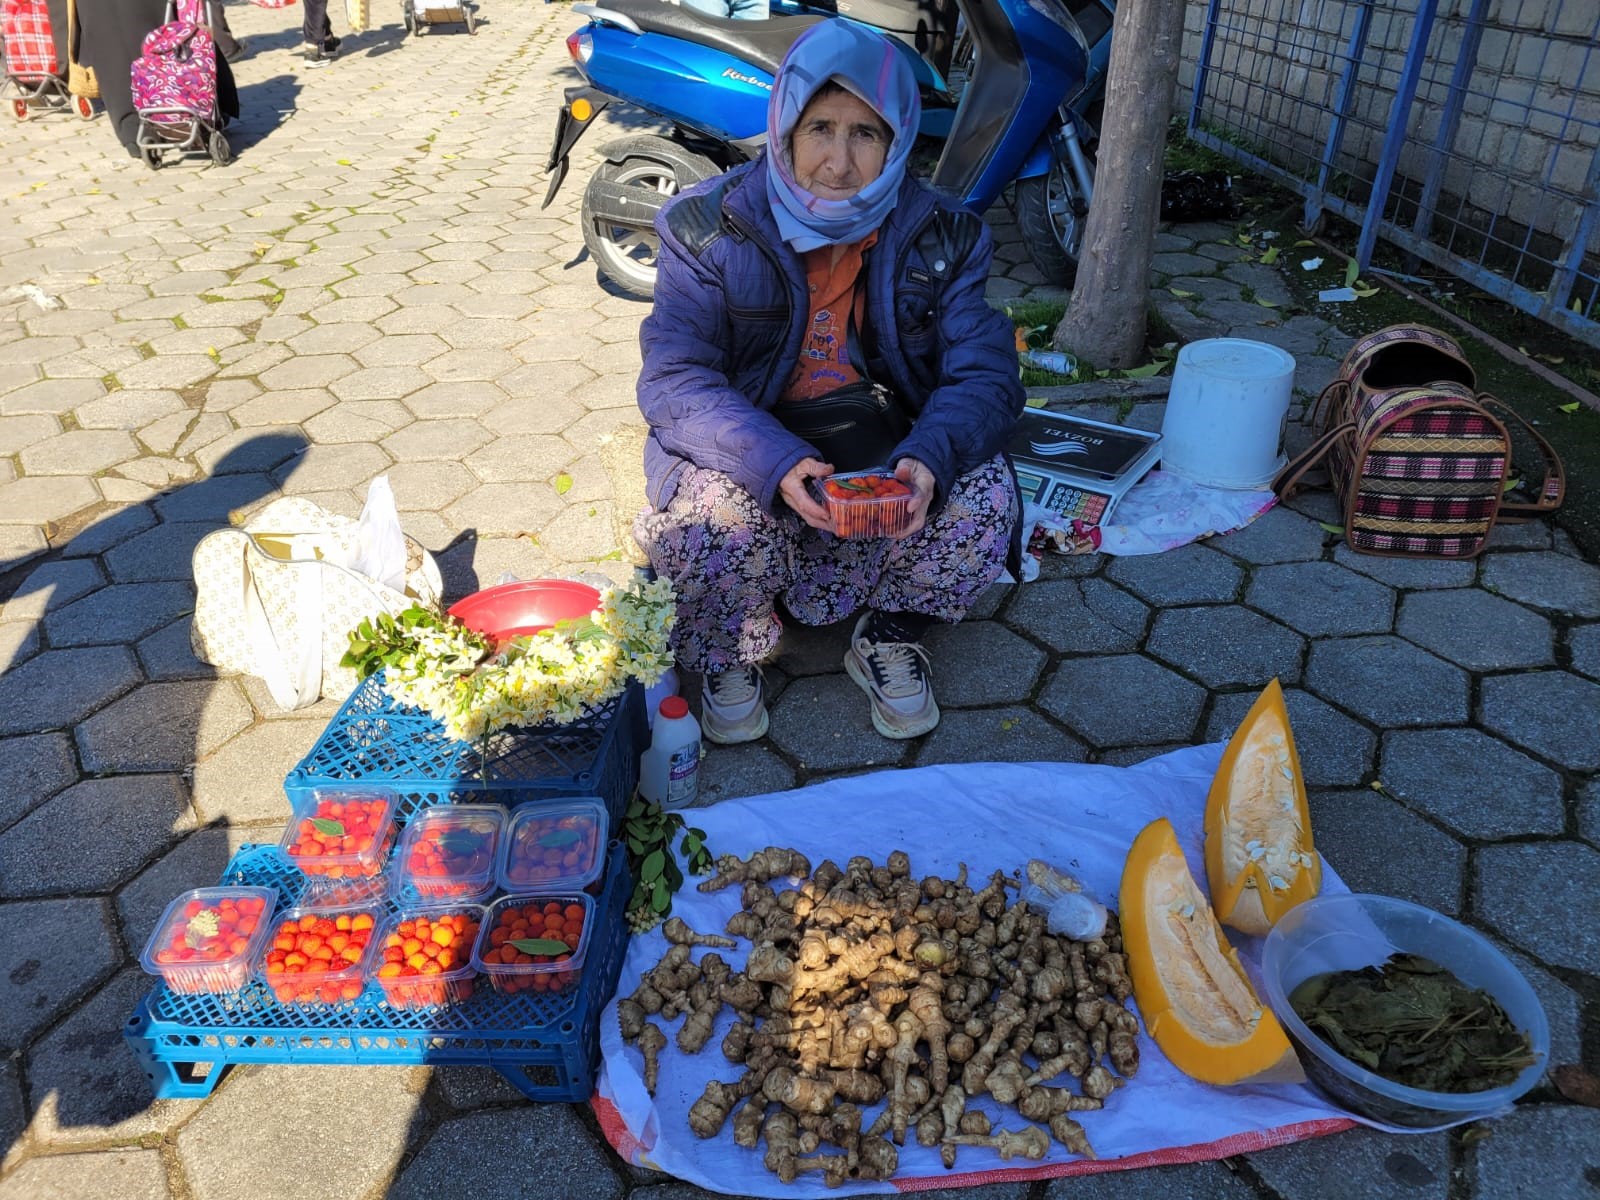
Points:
(385, 640)
(649, 831)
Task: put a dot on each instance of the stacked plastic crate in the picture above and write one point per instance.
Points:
(380, 924)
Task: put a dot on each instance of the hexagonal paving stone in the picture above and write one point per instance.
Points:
(1430, 871)
(529, 415)
(524, 458)
(366, 421)
(51, 588)
(1409, 573)
(94, 835)
(247, 451)
(1369, 1163)
(468, 399)
(449, 439)
(284, 407)
(1321, 599)
(1011, 734)
(250, 1139)
(727, 772)
(108, 531)
(429, 486)
(86, 1085)
(163, 726)
(1334, 750)
(1476, 629)
(1478, 786)
(17, 433)
(332, 468)
(1589, 812)
(402, 350)
(573, 1166)
(13, 1115)
(1079, 616)
(128, 410)
(379, 383)
(200, 856)
(1545, 580)
(798, 728)
(1533, 893)
(1188, 575)
(38, 501)
(504, 508)
(242, 782)
(309, 371)
(981, 662)
(123, 612)
(580, 533)
(1277, 535)
(175, 371)
(1388, 682)
(1122, 700)
(57, 689)
(1542, 1148)
(214, 499)
(478, 364)
(1549, 712)
(340, 337)
(127, 1174)
(52, 396)
(1226, 645)
(37, 981)
(34, 768)
(1585, 645)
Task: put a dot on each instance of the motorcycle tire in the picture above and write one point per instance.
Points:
(1052, 227)
(624, 254)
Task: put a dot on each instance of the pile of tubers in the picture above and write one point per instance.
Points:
(864, 985)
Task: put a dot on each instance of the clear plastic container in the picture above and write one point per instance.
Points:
(1347, 932)
(553, 846)
(423, 955)
(528, 924)
(867, 504)
(209, 938)
(448, 852)
(317, 957)
(342, 833)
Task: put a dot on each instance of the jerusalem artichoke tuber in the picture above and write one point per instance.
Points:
(651, 1042)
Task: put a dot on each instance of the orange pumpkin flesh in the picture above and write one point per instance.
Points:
(1195, 999)
(1259, 859)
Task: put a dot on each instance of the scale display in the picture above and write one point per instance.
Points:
(1077, 467)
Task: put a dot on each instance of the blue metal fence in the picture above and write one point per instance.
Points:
(1466, 132)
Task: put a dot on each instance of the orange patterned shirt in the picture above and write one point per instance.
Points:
(825, 355)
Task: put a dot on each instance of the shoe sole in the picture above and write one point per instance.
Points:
(734, 740)
(897, 732)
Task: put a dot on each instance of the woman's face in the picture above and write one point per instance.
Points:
(838, 145)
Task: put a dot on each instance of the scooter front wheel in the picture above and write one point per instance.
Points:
(1051, 215)
(626, 253)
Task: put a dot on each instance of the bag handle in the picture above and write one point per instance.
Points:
(1317, 417)
(1554, 488)
(1287, 480)
(300, 683)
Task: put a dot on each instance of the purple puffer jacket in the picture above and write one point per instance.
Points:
(730, 316)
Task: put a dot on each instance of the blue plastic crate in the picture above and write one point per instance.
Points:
(373, 740)
(547, 1045)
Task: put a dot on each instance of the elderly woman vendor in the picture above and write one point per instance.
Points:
(813, 308)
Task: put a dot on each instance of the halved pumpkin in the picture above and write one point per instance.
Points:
(1196, 1001)
(1260, 861)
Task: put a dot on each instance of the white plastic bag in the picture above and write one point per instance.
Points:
(1069, 910)
(380, 549)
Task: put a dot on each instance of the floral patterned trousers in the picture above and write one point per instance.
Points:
(730, 562)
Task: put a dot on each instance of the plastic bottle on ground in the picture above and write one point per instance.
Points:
(669, 771)
(1050, 360)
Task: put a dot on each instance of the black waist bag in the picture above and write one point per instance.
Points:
(853, 428)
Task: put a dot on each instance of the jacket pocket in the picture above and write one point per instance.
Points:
(916, 323)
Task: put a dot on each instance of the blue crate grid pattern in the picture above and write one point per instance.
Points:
(546, 1044)
(373, 740)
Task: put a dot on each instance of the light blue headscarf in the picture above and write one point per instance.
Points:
(869, 66)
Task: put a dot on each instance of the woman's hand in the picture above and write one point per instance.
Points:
(920, 480)
(796, 496)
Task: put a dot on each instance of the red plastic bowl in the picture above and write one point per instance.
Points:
(514, 609)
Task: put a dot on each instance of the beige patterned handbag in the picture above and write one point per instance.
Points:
(273, 600)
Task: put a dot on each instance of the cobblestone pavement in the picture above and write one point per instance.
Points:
(373, 288)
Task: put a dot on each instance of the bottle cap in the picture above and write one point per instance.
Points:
(674, 708)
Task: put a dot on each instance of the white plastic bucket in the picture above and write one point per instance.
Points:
(1226, 412)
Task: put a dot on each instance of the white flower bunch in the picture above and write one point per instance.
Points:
(557, 675)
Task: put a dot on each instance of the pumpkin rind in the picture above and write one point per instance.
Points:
(1195, 999)
(1260, 862)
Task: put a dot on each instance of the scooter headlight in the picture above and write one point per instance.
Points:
(580, 45)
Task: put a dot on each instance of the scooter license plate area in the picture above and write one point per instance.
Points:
(576, 115)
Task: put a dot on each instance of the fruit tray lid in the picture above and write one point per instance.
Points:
(553, 845)
(470, 836)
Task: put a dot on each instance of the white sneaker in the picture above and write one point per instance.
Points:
(733, 706)
(894, 676)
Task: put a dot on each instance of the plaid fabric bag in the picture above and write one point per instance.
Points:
(30, 49)
(1419, 458)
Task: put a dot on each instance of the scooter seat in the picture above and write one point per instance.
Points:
(759, 43)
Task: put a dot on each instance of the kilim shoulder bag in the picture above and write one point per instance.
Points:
(1417, 456)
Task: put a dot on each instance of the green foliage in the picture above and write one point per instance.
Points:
(383, 640)
(649, 831)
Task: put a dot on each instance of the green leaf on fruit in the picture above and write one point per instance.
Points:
(461, 842)
(559, 838)
(548, 946)
(327, 826)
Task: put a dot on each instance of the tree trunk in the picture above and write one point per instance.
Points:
(1105, 321)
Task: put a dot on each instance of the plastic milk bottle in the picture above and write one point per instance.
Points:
(669, 771)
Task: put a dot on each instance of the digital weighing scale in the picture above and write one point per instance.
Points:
(1077, 467)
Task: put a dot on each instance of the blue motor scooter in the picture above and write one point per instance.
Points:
(1008, 97)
